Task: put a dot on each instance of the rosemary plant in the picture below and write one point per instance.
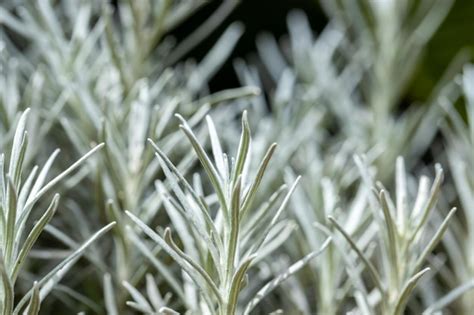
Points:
(401, 230)
(77, 73)
(390, 38)
(101, 66)
(18, 200)
(318, 86)
(225, 233)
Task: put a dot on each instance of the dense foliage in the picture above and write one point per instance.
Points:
(307, 190)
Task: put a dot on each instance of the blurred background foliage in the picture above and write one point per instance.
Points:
(454, 38)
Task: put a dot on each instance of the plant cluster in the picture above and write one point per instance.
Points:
(306, 190)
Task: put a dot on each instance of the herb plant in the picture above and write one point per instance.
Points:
(19, 198)
(196, 213)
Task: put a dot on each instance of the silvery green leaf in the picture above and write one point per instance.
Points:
(207, 165)
(153, 293)
(109, 296)
(34, 305)
(48, 282)
(7, 289)
(138, 298)
(435, 240)
(295, 267)
(372, 270)
(33, 236)
(408, 288)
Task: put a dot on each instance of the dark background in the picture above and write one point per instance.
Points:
(454, 36)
